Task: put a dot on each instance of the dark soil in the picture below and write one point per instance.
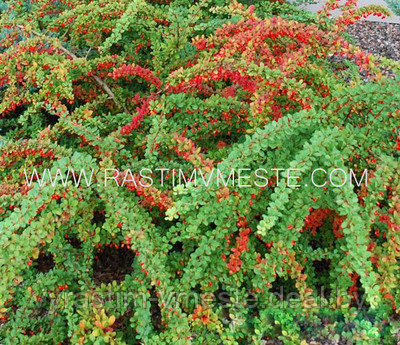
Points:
(74, 242)
(44, 263)
(155, 310)
(112, 264)
(120, 322)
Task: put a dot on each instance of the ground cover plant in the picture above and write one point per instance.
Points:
(395, 6)
(136, 84)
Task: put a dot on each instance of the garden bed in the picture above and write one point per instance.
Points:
(377, 38)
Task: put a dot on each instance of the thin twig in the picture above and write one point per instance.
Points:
(98, 80)
(87, 54)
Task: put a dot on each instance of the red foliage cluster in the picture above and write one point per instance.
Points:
(187, 150)
(21, 154)
(151, 195)
(125, 71)
(317, 218)
(142, 111)
(242, 240)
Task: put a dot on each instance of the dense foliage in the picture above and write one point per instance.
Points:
(394, 6)
(182, 85)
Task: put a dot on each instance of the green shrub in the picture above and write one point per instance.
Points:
(205, 85)
(394, 6)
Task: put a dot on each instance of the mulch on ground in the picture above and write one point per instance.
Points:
(377, 38)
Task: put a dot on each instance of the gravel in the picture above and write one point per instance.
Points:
(377, 38)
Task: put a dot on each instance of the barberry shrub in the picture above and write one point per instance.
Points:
(204, 85)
